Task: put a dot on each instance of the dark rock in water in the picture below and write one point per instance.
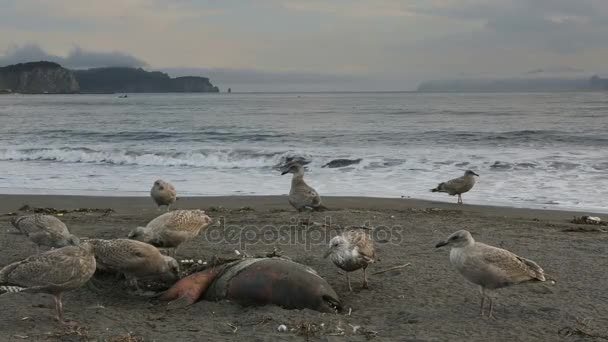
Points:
(290, 159)
(341, 163)
(498, 165)
(526, 165)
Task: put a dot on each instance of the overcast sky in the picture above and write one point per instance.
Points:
(390, 44)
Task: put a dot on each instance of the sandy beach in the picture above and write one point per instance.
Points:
(427, 301)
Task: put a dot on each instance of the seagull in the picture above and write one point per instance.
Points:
(458, 186)
(45, 230)
(301, 195)
(163, 193)
(134, 259)
(350, 251)
(171, 229)
(51, 272)
(489, 267)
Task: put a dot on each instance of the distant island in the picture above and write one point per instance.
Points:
(132, 80)
(594, 83)
(37, 78)
(51, 78)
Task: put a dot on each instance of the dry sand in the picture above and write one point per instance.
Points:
(427, 301)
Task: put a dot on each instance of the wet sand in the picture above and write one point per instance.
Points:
(427, 301)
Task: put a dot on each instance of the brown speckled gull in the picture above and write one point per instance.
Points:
(489, 267)
(301, 195)
(171, 229)
(350, 251)
(135, 259)
(52, 272)
(458, 186)
(45, 230)
(163, 193)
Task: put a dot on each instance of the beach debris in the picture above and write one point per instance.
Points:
(308, 329)
(582, 328)
(458, 186)
(81, 332)
(54, 211)
(351, 251)
(594, 220)
(234, 327)
(282, 328)
(488, 266)
(52, 272)
(256, 281)
(243, 209)
(45, 230)
(128, 337)
(392, 268)
(216, 209)
(171, 229)
(163, 193)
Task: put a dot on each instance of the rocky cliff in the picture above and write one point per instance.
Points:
(137, 80)
(38, 78)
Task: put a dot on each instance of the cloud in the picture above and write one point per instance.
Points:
(377, 8)
(77, 58)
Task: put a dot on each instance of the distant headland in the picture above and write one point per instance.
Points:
(51, 78)
(594, 83)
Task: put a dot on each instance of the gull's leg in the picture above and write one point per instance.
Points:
(459, 199)
(58, 307)
(348, 281)
(365, 278)
(483, 299)
(491, 315)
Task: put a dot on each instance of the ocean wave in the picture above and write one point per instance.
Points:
(201, 158)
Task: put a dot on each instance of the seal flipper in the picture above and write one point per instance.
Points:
(190, 289)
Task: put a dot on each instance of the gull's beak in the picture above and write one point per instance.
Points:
(475, 174)
(327, 253)
(284, 172)
(441, 244)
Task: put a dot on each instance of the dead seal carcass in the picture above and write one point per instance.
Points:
(256, 282)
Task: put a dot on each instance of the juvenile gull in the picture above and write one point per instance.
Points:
(135, 259)
(458, 186)
(52, 272)
(163, 193)
(301, 195)
(489, 267)
(352, 250)
(45, 230)
(171, 229)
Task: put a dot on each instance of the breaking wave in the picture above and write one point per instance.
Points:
(199, 158)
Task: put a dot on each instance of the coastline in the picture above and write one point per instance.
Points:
(125, 204)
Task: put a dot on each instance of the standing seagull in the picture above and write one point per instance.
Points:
(163, 193)
(458, 186)
(171, 229)
(352, 250)
(301, 195)
(45, 230)
(52, 272)
(489, 267)
(135, 259)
